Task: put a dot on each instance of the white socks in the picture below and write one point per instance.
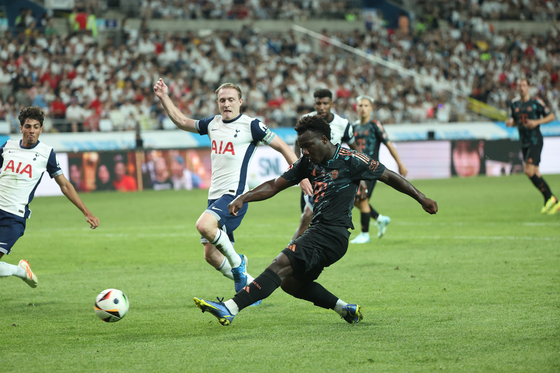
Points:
(338, 307)
(225, 269)
(7, 270)
(232, 307)
(223, 244)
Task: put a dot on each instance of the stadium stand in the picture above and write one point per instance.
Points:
(91, 83)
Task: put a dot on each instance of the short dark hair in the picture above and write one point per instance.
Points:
(31, 112)
(314, 123)
(322, 93)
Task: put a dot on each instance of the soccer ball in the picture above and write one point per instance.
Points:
(111, 305)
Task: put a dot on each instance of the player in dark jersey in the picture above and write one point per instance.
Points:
(335, 173)
(369, 135)
(528, 113)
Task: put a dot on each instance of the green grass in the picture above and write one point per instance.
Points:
(474, 288)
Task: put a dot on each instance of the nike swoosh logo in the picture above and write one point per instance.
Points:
(214, 208)
(214, 129)
(3, 243)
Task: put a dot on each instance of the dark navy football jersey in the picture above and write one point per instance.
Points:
(369, 137)
(521, 111)
(335, 184)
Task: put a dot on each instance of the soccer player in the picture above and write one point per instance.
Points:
(336, 173)
(341, 131)
(234, 138)
(528, 113)
(369, 135)
(22, 164)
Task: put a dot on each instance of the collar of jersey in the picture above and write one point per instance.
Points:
(23, 147)
(233, 120)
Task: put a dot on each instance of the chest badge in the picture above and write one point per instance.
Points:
(334, 174)
(236, 132)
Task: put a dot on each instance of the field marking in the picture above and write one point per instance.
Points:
(491, 224)
(554, 238)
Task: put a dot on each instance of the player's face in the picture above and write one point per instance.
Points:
(364, 108)
(323, 106)
(313, 146)
(523, 87)
(229, 103)
(31, 130)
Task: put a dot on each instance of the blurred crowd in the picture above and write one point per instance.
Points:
(493, 10)
(85, 86)
(249, 9)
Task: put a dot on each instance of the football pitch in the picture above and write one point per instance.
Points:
(474, 288)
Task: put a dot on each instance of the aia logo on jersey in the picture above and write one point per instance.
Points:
(222, 149)
(19, 169)
(334, 174)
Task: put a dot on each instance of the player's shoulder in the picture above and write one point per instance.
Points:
(339, 120)
(538, 100)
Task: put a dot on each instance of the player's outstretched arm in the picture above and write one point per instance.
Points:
(260, 193)
(402, 169)
(280, 146)
(181, 121)
(532, 123)
(68, 190)
(402, 185)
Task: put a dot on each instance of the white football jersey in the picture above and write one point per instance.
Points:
(341, 129)
(21, 171)
(233, 144)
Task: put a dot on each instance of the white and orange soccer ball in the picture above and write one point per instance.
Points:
(111, 305)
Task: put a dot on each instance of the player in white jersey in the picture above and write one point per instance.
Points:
(22, 164)
(341, 131)
(234, 138)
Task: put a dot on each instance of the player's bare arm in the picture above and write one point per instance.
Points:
(68, 190)
(532, 123)
(399, 183)
(181, 121)
(402, 169)
(280, 146)
(264, 191)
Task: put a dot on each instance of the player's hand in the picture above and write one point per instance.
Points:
(531, 123)
(403, 170)
(306, 187)
(93, 221)
(235, 205)
(362, 190)
(510, 122)
(161, 89)
(429, 205)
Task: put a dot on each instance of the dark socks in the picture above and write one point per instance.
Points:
(374, 214)
(364, 220)
(260, 288)
(316, 293)
(542, 186)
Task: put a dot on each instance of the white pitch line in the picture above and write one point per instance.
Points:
(489, 238)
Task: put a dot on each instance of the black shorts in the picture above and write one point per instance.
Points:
(319, 247)
(532, 154)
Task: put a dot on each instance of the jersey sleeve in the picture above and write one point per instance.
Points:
(348, 136)
(365, 168)
(53, 168)
(202, 125)
(542, 108)
(261, 132)
(512, 110)
(381, 133)
(297, 171)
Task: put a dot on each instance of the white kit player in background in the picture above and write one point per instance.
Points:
(341, 132)
(234, 138)
(22, 164)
